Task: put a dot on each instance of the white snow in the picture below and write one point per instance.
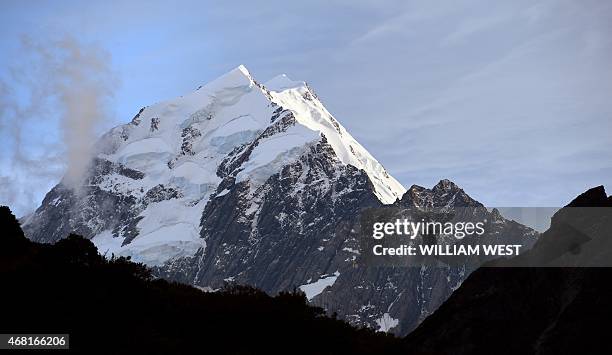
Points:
(223, 193)
(282, 82)
(195, 173)
(149, 154)
(272, 153)
(237, 77)
(168, 230)
(56, 201)
(206, 289)
(315, 288)
(239, 124)
(108, 245)
(350, 250)
(386, 323)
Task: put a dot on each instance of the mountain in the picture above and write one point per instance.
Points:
(257, 184)
(558, 305)
(153, 177)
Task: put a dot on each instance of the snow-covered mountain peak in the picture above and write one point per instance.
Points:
(176, 155)
(234, 106)
(185, 139)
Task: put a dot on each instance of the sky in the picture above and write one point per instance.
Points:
(511, 100)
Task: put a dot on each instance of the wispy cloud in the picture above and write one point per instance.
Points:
(58, 86)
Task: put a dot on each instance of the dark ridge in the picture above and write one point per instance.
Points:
(444, 193)
(13, 238)
(529, 310)
(116, 306)
(594, 197)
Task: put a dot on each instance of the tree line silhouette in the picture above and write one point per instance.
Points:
(113, 305)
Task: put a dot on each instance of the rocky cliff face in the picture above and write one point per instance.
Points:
(255, 184)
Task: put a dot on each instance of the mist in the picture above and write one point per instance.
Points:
(62, 84)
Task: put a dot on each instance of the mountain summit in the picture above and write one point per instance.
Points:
(154, 176)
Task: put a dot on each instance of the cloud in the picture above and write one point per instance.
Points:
(59, 85)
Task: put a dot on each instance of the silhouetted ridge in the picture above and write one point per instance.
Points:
(594, 197)
(543, 310)
(11, 234)
(116, 306)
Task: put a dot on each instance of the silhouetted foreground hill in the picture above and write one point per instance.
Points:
(114, 306)
(528, 310)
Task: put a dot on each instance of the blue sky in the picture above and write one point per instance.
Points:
(509, 99)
